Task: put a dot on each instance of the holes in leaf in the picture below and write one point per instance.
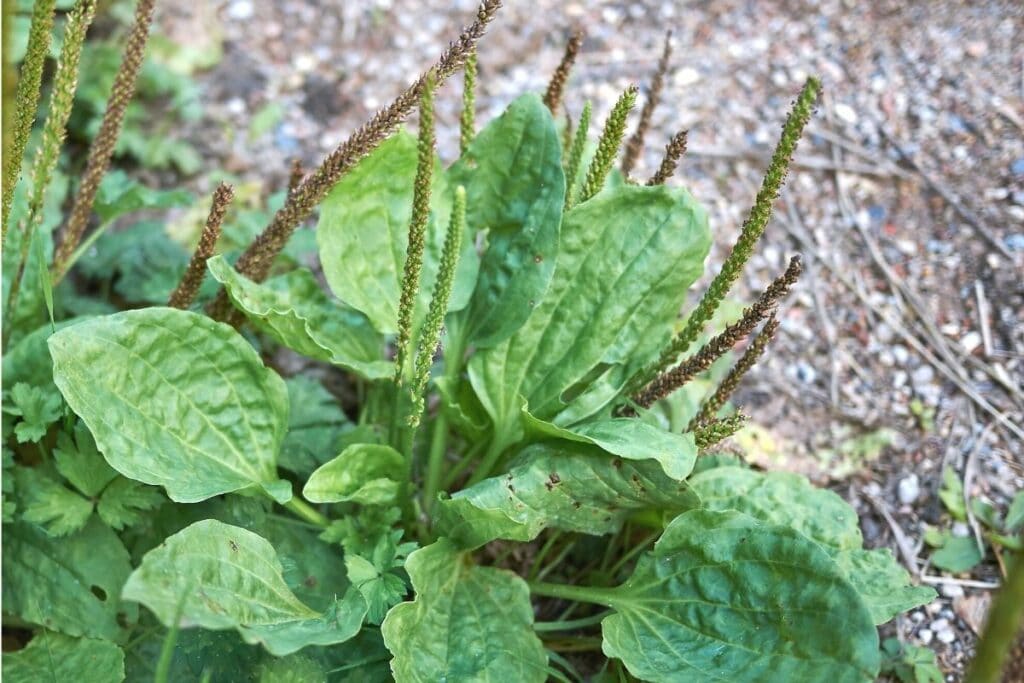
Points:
(99, 592)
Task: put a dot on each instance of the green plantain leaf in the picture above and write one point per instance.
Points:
(468, 623)
(823, 517)
(341, 621)
(29, 360)
(568, 486)
(293, 310)
(69, 584)
(222, 576)
(781, 498)
(625, 261)
(724, 597)
(362, 473)
(515, 189)
(627, 438)
(316, 426)
(56, 657)
(883, 584)
(165, 392)
(363, 234)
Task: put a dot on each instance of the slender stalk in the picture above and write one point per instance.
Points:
(307, 512)
(255, 262)
(110, 128)
(439, 437)
(571, 625)
(187, 289)
(26, 98)
(538, 560)
(635, 144)
(487, 464)
(562, 591)
(1004, 625)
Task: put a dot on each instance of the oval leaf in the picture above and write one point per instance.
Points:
(625, 261)
(56, 657)
(823, 517)
(220, 576)
(515, 190)
(167, 392)
(725, 597)
(69, 584)
(363, 473)
(627, 438)
(573, 487)
(468, 623)
(293, 310)
(363, 234)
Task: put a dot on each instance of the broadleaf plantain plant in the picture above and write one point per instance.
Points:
(524, 496)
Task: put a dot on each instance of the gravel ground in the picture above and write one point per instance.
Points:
(901, 353)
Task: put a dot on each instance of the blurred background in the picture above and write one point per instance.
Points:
(896, 377)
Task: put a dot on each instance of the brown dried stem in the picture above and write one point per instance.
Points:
(635, 144)
(255, 262)
(188, 288)
(556, 87)
(110, 128)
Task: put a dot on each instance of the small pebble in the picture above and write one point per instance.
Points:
(909, 489)
(952, 590)
(961, 530)
(946, 636)
(923, 374)
(970, 341)
(240, 10)
(925, 635)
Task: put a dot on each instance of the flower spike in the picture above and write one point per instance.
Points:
(102, 147)
(188, 288)
(752, 230)
(417, 228)
(635, 144)
(575, 157)
(26, 101)
(467, 124)
(556, 87)
(608, 145)
(674, 151)
(431, 334)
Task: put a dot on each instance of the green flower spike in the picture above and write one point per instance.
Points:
(608, 145)
(417, 228)
(431, 334)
